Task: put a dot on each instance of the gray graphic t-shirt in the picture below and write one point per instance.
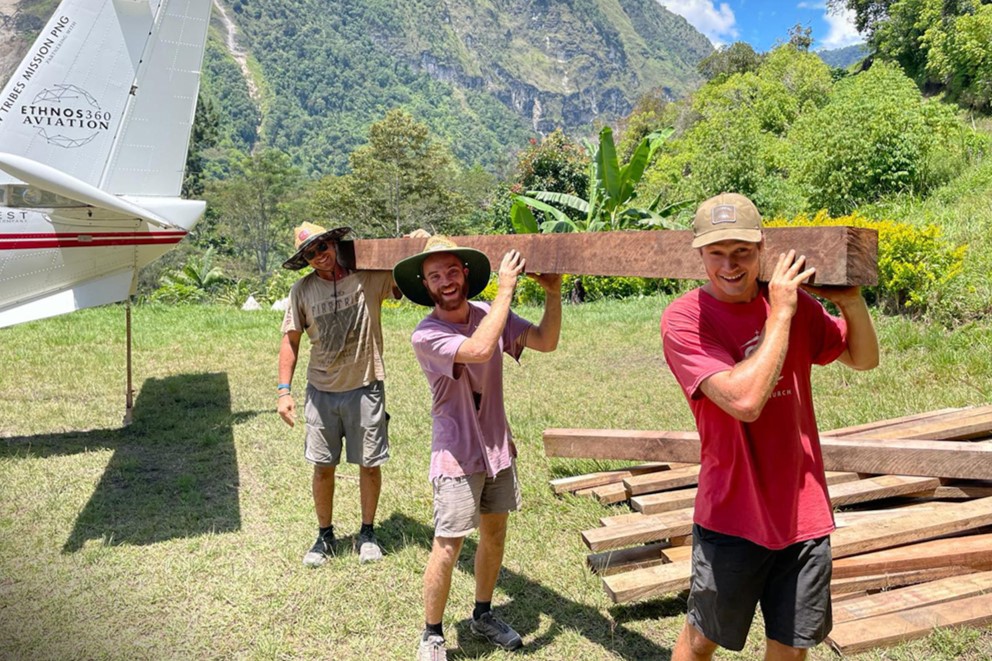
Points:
(342, 320)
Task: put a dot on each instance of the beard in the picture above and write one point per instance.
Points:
(452, 303)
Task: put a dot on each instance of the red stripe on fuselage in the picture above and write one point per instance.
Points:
(36, 241)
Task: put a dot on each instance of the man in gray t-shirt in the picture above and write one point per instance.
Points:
(460, 347)
(339, 310)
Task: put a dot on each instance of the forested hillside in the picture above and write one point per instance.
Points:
(842, 58)
(484, 76)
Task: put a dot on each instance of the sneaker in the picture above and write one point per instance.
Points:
(368, 548)
(320, 551)
(432, 648)
(496, 631)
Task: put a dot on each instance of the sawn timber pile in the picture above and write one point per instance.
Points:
(913, 506)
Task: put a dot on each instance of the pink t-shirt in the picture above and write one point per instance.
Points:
(764, 480)
(471, 434)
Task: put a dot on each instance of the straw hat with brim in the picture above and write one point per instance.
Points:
(307, 235)
(408, 273)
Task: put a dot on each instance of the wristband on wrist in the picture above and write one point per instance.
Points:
(283, 386)
(284, 394)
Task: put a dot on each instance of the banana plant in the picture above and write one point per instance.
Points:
(612, 192)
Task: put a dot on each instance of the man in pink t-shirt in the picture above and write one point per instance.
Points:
(742, 351)
(460, 347)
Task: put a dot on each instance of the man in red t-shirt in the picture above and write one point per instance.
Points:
(742, 351)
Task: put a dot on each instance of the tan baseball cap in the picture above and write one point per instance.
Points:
(726, 217)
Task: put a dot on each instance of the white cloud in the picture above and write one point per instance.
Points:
(840, 30)
(718, 23)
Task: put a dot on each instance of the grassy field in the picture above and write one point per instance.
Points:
(181, 536)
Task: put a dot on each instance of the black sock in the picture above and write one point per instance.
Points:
(366, 529)
(433, 629)
(326, 533)
(481, 608)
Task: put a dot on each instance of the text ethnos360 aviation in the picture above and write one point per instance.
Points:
(94, 130)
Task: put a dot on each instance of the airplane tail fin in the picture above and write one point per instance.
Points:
(102, 85)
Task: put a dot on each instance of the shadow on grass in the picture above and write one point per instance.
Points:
(174, 471)
(530, 601)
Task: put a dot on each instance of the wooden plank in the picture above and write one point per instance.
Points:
(862, 429)
(842, 255)
(869, 517)
(962, 491)
(678, 553)
(893, 628)
(612, 562)
(666, 501)
(610, 494)
(673, 479)
(879, 487)
(634, 445)
(589, 480)
(954, 425)
(954, 518)
(656, 503)
(925, 594)
(908, 457)
(648, 582)
(896, 579)
(958, 459)
(842, 493)
(649, 529)
(973, 551)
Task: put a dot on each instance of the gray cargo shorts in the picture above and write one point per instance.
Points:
(357, 416)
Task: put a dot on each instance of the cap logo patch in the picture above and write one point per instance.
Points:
(304, 234)
(724, 213)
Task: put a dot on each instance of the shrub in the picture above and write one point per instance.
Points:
(877, 136)
(915, 264)
(594, 288)
(176, 293)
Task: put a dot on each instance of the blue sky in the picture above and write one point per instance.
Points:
(762, 23)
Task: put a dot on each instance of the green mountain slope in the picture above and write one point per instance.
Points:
(842, 58)
(484, 75)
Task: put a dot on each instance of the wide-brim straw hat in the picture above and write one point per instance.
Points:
(306, 235)
(408, 273)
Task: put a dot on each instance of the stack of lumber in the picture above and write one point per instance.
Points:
(913, 503)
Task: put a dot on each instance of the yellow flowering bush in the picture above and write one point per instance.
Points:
(915, 264)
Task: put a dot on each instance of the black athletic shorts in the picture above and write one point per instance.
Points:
(731, 576)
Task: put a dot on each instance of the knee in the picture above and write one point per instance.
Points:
(700, 645)
(782, 652)
(446, 549)
(493, 527)
(321, 473)
(372, 472)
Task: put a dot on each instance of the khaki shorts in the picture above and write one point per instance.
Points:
(459, 501)
(358, 416)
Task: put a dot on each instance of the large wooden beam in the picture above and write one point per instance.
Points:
(947, 425)
(893, 601)
(890, 629)
(973, 551)
(959, 459)
(909, 528)
(841, 255)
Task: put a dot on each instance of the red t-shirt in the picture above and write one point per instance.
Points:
(763, 480)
